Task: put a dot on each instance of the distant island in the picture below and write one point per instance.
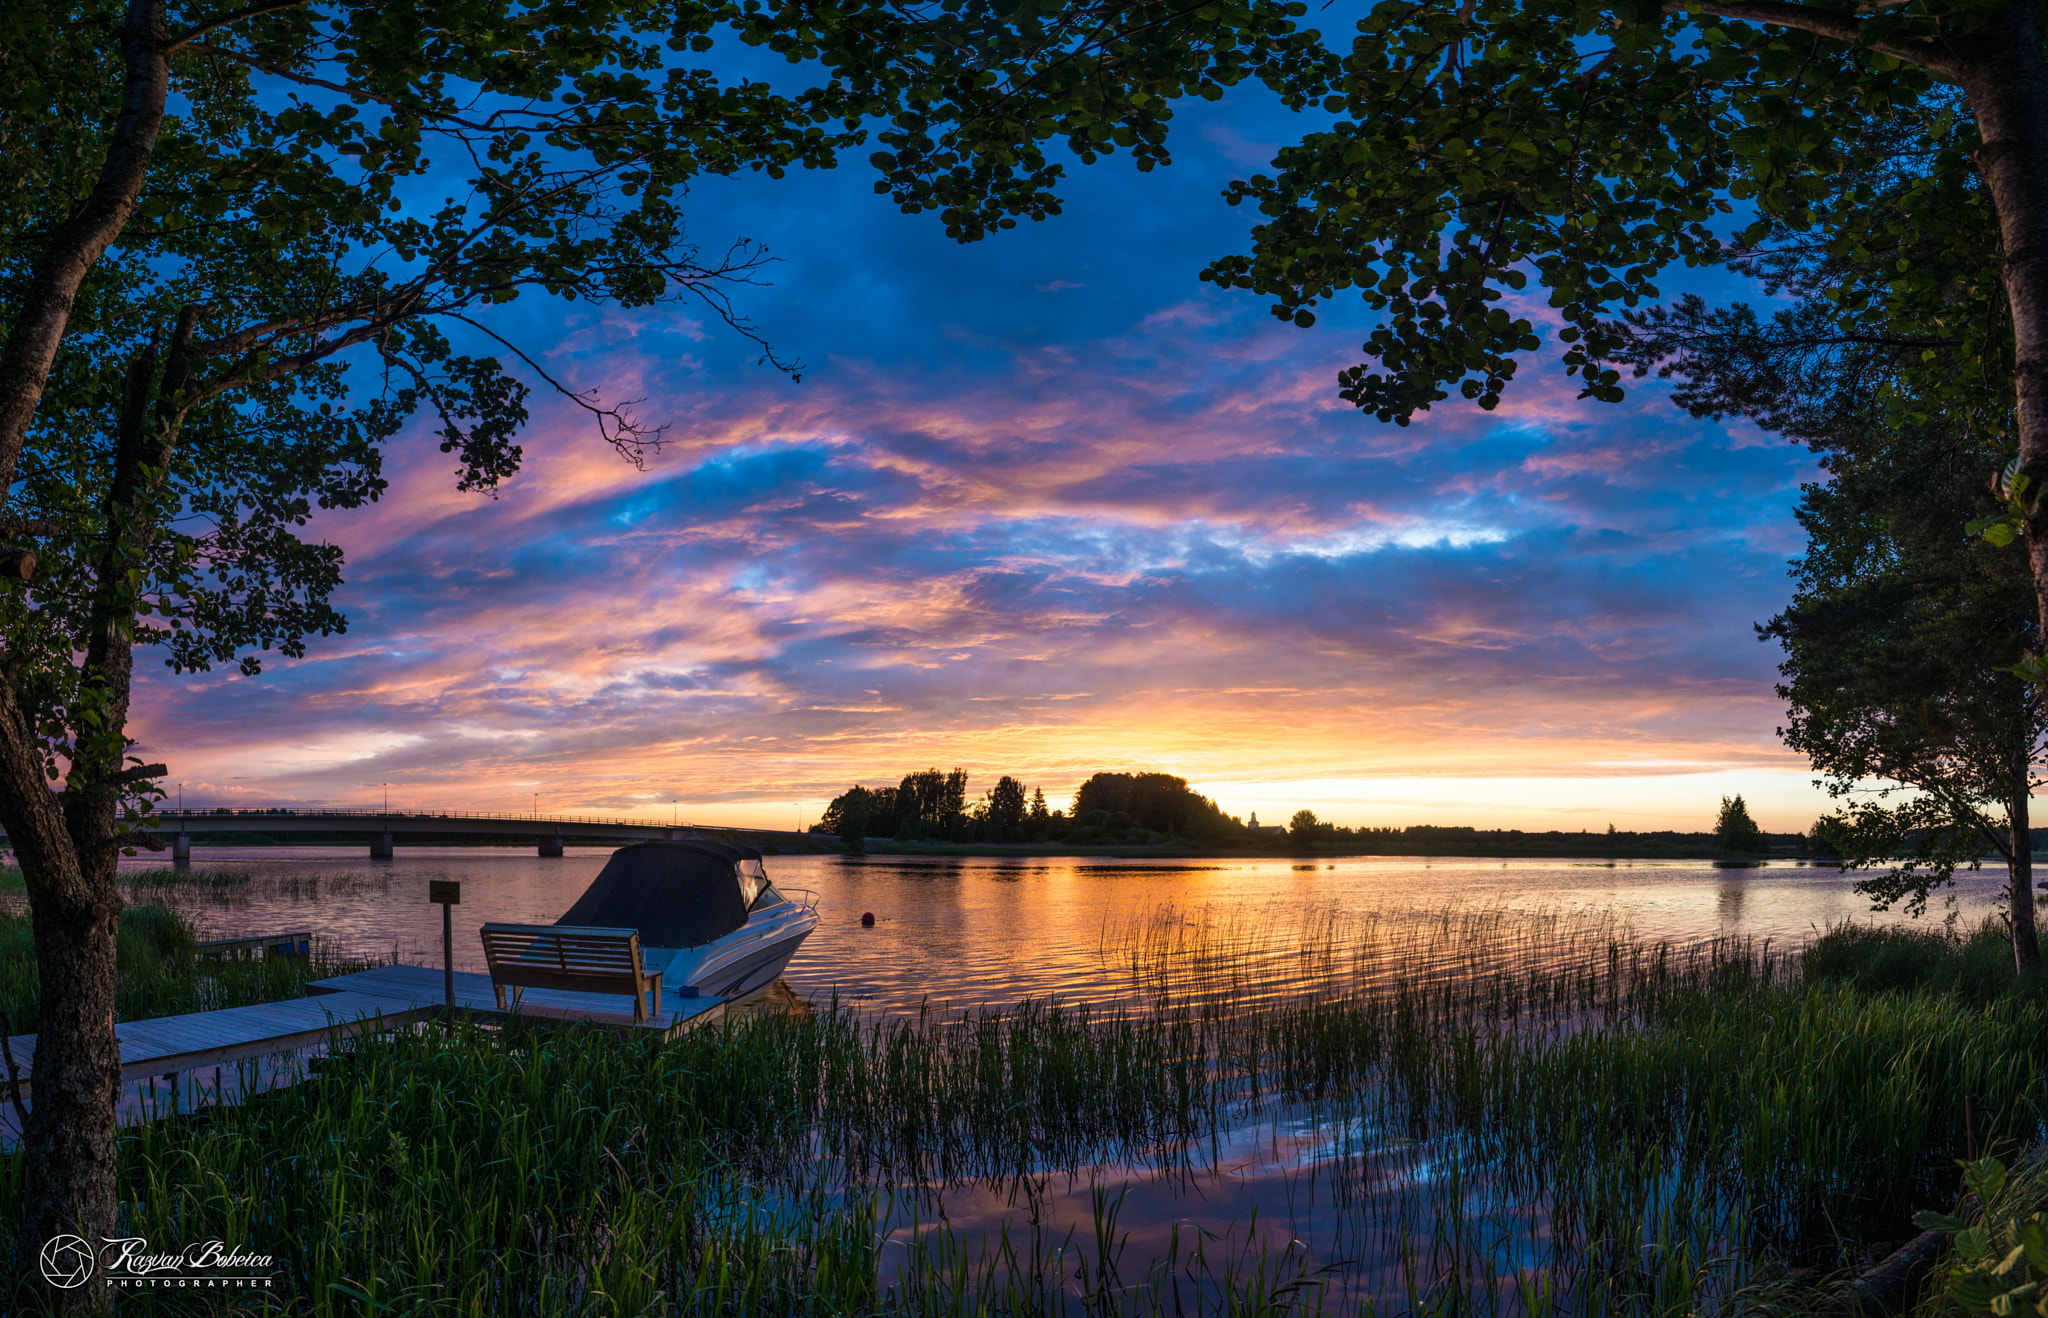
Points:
(932, 810)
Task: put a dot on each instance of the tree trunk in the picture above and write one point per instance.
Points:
(2004, 72)
(68, 844)
(68, 1148)
(2026, 945)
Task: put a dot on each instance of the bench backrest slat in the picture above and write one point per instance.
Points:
(563, 956)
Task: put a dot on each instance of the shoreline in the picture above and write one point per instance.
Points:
(815, 844)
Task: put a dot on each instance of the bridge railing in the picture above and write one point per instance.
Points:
(201, 816)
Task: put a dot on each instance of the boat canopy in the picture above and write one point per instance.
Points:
(677, 894)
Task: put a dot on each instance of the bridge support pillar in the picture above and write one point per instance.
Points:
(380, 846)
(181, 848)
(551, 846)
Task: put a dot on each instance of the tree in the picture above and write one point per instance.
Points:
(1160, 802)
(926, 802)
(226, 280)
(1926, 698)
(853, 827)
(952, 805)
(1003, 811)
(1302, 828)
(1735, 830)
(1588, 147)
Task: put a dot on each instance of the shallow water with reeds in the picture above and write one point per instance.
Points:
(1100, 1086)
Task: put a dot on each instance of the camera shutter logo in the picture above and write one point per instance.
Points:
(67, 1262)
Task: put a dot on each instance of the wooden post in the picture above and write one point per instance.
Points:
(448, 893)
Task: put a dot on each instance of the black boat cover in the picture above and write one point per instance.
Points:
(677, 894)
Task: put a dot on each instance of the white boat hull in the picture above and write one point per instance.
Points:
(745, 960)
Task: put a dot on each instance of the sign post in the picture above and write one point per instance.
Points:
(447, 893)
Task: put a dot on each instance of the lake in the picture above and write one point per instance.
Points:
(972, 931)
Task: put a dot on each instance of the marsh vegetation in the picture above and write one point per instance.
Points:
(162, 970)
(1476, 1113)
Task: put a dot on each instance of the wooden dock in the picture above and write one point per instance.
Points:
(180, 1063)
(172, 1044)
(407, 988)
(180, 1051)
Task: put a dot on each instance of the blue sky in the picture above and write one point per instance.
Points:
(1040, 505)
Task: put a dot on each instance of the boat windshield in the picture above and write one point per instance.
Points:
(769, 897)
(753, 881)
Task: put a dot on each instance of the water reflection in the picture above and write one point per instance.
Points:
(964, 931)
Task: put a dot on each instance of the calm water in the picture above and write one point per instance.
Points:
(974, 931)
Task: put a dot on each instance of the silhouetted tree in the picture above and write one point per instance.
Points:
(952, 805)
(1905, 636)
(1735, 830)
(1492, 156)
(1040, 818)
(853, 823)
(1003, 811)
(1158, 802)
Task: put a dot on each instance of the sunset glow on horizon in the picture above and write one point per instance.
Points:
(1041, 506)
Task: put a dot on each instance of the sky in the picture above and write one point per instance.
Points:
(1041, 505)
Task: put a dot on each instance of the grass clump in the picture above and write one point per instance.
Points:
(1976, 967)
(160, 972)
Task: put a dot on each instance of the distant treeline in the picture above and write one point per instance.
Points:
(1154, 809)
(1127, 808)
(1435, 840)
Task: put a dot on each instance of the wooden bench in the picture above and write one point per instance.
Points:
(575, 958)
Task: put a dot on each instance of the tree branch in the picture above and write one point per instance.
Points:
(78, 244)
(620, 429)
(257, 10)
(1820, 22)
(308, 80)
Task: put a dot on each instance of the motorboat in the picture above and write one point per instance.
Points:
(709, 918)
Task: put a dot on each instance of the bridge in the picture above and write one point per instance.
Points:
(383, 828)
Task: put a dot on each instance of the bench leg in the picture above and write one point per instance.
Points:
(498, 991)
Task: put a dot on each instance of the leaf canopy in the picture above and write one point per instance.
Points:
(1510, 169)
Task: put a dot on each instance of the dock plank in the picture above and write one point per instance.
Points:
(387, 997)
(424, 985)
(214, 1038)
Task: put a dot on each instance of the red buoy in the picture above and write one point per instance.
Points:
(867, 919)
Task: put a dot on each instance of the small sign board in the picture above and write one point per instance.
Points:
(447, 892)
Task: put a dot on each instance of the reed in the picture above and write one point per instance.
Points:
(157, 878)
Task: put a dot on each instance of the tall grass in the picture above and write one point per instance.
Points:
(160, 973)
(1490, 1115)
